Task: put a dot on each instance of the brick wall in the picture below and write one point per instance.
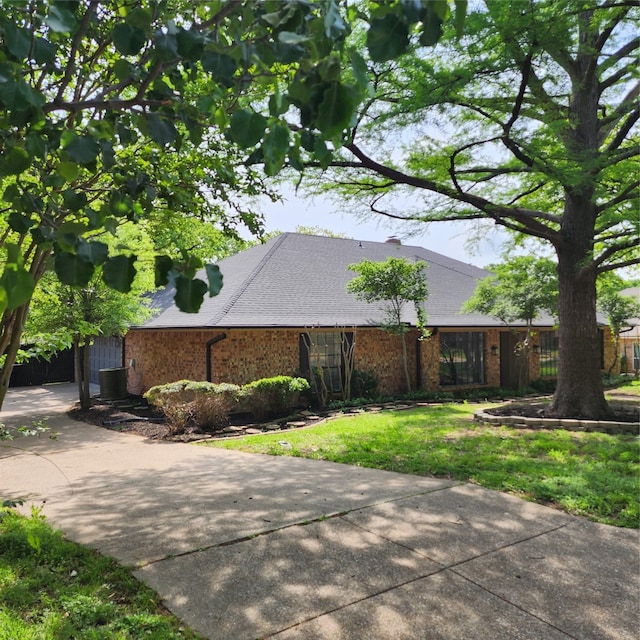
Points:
(381, 353)
(491, 360)
(248, 354)
(163, 355)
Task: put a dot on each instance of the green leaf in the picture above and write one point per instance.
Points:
(140, 18)
(275, 148)
(94, 252)
(166, 45)
(128, 40)
(461, 13)
(81, 149)
(163, 264)
(334, 25)
(246, 128)
(189, 294)
(360, 71)
(120, 204)
(118, 273)
(15, 161)
(287, 37)
(60, 20)
(68, 170)
(214, 276)
(72, 269)
(43, 51)
(161, 130)
(432, 27)
(19, 96)
(221, 66)
(322, 152)
(20, 223)
(68, 234)
(190, 44)
(18, 40)
(336, 110)
(74, 200)
(3, 300)
(11, 193)
(122, 68)
(18, 285)
(387, 38)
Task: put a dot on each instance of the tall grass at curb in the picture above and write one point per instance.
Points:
(590, 474)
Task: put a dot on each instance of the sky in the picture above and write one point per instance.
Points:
(447, 238)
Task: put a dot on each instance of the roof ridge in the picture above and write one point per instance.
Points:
(450, 268)
(248, 280)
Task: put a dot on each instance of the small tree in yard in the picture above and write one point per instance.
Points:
(394, 282)
(518, 291)
(617, 307)
(82, 315)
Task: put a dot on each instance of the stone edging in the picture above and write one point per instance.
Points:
(575, 424)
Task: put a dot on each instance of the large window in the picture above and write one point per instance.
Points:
(548, 354)
(323, 354)
(461, 358)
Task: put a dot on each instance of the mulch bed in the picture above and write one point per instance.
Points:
(136, 417)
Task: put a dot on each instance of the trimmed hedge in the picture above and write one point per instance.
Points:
(186, 402)
(273, 396)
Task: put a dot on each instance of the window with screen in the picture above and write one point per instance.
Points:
(461, 358)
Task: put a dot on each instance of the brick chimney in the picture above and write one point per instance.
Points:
(393, 240)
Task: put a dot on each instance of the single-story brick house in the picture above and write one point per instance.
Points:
(284, 307)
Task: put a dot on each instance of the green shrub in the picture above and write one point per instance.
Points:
(201, 404)
(364, 384)
(273, 396)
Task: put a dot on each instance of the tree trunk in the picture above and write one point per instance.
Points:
(579, 392)
(404, 361)
(14, 326)
(77, 368)
(85, 396)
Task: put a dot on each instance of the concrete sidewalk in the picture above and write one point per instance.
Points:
(244, 546)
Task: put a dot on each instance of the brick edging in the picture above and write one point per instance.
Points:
(568, 424)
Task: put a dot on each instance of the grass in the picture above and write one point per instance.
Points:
(589, 474)
(630, 388)
(52, 589)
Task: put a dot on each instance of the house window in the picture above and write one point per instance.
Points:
(549, 354)
(323, 353)
(461, 358)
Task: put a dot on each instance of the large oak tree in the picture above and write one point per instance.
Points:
(528, 121)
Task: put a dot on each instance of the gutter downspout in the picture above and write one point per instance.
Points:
(210, 343)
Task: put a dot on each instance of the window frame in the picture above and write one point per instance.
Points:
(549, 354)
(467, 370)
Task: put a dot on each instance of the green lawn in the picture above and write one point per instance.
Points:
(590, 474)
(52, 589)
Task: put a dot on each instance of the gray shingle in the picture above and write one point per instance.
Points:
(297, 280)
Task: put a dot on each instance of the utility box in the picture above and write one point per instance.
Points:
(113, 383)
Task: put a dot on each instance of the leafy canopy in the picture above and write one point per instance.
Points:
(394, 282)
(519, 289)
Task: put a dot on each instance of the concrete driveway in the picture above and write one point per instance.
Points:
(245, 546)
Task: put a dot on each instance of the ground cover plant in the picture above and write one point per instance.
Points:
(595, 475)
(53, 589)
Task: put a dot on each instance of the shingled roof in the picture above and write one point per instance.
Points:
(297, 280)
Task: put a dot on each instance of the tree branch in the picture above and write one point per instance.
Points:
(528, 219)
